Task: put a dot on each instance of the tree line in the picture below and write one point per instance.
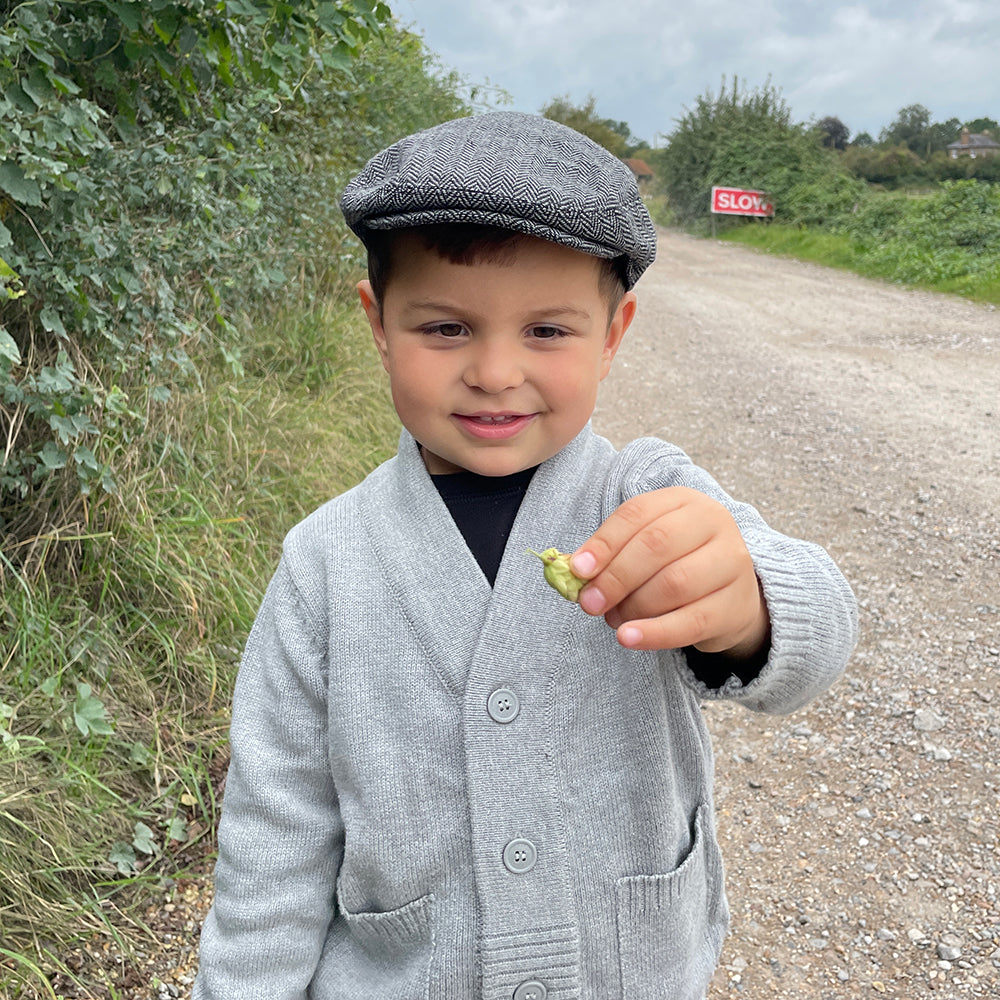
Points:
(742, 135)
(949, 237)
(913, 148)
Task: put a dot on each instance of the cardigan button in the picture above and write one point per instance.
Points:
(503, 705)
(530, 991)
(519, 856)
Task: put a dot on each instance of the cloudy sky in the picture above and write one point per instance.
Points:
(646, 60)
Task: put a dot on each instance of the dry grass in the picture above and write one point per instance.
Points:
(149, 602)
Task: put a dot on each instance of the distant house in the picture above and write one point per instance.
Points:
(974, 144)
(641, 170)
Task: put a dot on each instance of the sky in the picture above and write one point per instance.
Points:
(646, 61)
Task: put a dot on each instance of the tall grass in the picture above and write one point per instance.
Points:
(117, 658)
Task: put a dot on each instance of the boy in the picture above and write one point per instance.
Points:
(447, 781)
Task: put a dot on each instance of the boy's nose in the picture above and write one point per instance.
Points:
(493, 368)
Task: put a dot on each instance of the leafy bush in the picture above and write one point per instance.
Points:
(950, 235)
(961, 215)
(744, 138)
(142, 191)
(822, 202)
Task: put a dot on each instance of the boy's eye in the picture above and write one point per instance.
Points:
(447, 329)
(547, 332)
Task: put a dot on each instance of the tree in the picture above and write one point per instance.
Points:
(939, 134)
(908, 128)
(879, 165)
(980, 125)
(863, 139)
(616, 137)
(914, 129)
(834, 132)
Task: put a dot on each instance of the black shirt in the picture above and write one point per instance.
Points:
(484, 508)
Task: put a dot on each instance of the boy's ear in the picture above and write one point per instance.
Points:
(620, 322)
(374, 313)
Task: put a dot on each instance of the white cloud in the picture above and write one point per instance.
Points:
(646, 60)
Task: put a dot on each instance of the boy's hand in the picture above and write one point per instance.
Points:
(670, 569)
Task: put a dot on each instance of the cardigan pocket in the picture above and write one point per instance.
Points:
(388, 952)
(671, 926)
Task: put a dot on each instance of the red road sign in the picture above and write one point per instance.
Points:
(738, 201)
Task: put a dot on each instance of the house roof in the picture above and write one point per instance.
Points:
(975, 140)
(639, 167)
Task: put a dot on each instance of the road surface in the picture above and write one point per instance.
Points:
(860, 833)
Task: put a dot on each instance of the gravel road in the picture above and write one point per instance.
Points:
(860, 833)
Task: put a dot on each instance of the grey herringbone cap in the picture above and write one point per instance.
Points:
(519, 171)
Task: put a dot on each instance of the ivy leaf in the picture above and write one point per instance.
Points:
(86, 459)
(36, 85)
(143, 840)
(52, 321)
(63, 426)
(8, 349)
(177, 829)
(128, 13)
(53, 457)
(123, 857)
(126, 128)
(22, 189)
(89, 713)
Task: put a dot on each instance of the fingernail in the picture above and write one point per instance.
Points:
(583, 563)
(629, 635)
(592, 600)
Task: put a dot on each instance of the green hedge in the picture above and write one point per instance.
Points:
(144, 200)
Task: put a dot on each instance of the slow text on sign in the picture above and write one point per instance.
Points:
(738, 201)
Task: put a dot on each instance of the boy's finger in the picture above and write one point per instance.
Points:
(655, 558)
(686, 626)
(687, 579)
(710, 623)
(623, 524)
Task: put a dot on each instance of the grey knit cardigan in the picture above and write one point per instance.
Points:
(389, 832)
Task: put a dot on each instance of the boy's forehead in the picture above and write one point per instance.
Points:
(519, 172)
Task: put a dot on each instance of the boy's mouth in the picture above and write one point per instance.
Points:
(494, 426)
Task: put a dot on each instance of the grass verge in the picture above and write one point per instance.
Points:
(117, 659)
(949, 270)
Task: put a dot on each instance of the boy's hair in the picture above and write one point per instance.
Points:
(509, 171)
(473, 243)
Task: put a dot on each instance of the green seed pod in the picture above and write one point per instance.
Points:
(558, 575)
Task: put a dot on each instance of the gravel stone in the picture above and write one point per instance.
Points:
(927, 721)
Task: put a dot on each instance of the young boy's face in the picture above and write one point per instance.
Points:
(494, 366)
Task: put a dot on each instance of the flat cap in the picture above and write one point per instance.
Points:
(519, 171)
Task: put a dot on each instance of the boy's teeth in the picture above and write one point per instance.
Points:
(494, 420)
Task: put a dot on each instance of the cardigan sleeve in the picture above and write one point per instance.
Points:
(813, 612)
(281, 835)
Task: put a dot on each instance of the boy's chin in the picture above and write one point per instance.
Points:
(495, 465)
